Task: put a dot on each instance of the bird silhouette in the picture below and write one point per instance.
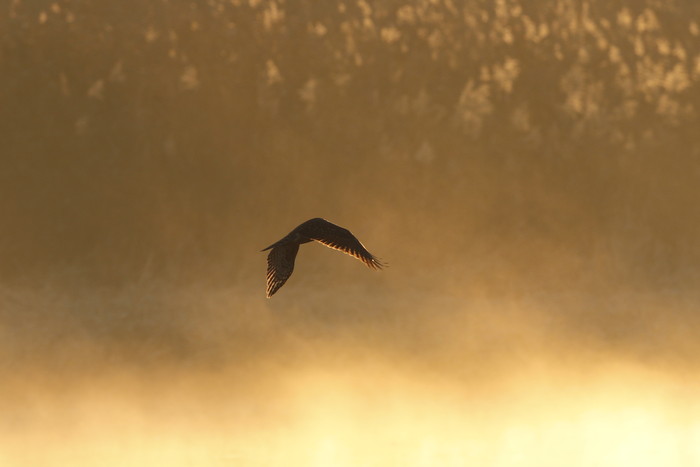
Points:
(280, 260)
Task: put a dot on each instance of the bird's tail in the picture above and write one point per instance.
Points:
(275, 244)
(287, 239)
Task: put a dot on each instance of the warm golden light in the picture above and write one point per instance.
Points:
(365, 415)
(529, 170)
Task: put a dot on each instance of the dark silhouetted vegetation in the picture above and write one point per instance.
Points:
(161, 135)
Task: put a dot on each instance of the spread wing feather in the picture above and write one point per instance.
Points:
(339, 238)
(280, 260)
(280, 265)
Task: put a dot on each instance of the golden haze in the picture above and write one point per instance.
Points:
(529, 170)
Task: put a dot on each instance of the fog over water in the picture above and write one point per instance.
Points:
(530, 171)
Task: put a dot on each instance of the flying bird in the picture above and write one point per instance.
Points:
(280, 260)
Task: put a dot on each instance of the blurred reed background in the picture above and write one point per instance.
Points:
(530, 170)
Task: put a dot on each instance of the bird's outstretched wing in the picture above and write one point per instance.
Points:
(338, 238)
(280, 265)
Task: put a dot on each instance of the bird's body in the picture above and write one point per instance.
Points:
(280, 260)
